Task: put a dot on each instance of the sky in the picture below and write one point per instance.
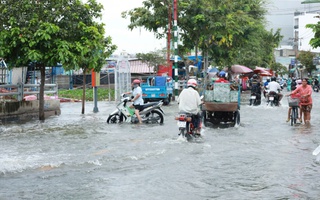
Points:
(135, 41)
(141, 41)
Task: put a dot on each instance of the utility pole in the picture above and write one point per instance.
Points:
(296, 48)
(169, 35)
(175, 30)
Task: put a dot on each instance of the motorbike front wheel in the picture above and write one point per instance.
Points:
(154, 117)
(114, 119)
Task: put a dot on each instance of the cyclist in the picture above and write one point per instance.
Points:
(305, 92)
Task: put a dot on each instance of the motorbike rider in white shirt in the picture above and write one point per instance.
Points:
(189, 102)
(274, 87)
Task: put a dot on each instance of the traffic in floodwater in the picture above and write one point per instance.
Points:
(74, 156)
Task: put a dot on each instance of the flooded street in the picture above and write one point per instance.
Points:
(74, 156)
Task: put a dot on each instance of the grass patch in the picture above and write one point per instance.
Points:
(103, 94)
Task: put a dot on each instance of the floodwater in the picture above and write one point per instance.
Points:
(74, 156)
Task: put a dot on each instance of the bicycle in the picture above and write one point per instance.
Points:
(294, 104)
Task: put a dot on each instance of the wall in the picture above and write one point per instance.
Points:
(18, 111)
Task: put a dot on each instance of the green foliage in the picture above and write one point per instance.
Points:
(153, 59)
(315, 41)
(279, 69)
(306, 59)
(229, 31)
(51, 32)
(103, 94)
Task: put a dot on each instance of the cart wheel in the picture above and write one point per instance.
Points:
(204, 118)
(237, 118)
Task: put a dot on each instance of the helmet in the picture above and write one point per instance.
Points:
(255, 76)
(222, 74)
(273, 78)
(298, 81)
(192, 83)
(268, 79)
(136, 81)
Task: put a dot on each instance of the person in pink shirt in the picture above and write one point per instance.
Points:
(305, 92)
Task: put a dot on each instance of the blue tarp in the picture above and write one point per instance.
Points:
(193, 58)
(160, 81)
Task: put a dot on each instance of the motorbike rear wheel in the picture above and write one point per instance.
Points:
(114, 119)
(155, 117)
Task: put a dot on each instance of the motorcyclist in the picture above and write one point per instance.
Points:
(256, 88)
(316, 84)
(189, 102)
(137, 98)
(293, 84)
(274, 87)
(222, 77)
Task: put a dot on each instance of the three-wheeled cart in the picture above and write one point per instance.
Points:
(221, 105)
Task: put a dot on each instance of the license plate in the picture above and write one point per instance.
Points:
(253, 97)
(271, 98)
(182, 124)
(153, 95)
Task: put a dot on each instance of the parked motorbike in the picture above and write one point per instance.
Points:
(273, 99)
(150, 113)
(186, 126)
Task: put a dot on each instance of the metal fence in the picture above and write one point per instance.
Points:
(20, 90)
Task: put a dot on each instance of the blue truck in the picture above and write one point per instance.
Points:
(157, 88)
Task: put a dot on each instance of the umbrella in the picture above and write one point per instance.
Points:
(265, 73)
(214, 70)
(240, 69)
(262, 71)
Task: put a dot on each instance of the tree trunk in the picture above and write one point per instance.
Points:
(41, 93)
(84, 91)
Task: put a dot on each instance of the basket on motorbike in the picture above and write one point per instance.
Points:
(293, 101)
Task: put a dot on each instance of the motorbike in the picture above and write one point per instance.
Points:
(255, 99)
(151, 112)
(186, 126)
(316, 88)
(273, 99)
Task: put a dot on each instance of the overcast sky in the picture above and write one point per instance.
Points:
(140, 41)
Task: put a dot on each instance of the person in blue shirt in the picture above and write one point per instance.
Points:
(265, 87)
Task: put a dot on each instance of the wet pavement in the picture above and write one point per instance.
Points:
(74, 156)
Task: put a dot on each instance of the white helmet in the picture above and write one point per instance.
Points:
(192, 83)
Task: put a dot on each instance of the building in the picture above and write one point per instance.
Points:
(303, 35)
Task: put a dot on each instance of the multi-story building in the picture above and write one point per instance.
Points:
(303, 35)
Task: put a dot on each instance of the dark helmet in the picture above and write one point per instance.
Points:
(273, 78)
(255, 76)
(268, 79)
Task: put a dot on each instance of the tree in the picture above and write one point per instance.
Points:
(220, 29)
(315, 41)
(152, 59)
(51, 32)
(306, 59)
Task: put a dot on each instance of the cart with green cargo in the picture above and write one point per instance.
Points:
(221, 105)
